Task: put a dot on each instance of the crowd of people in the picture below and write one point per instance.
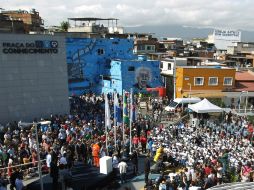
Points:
(205, 154)
(65, 139)
(197, 155)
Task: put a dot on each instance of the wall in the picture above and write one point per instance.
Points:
(32, 84)
(187, 75)
(136, 74)
(89, 60)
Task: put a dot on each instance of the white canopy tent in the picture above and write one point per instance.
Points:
(205, 107)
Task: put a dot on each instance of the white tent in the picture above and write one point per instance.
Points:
(204, 107)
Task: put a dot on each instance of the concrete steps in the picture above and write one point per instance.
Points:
(235, 186)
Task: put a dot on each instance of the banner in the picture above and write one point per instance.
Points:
(125, 108)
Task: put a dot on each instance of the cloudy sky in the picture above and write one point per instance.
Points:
(235, 14)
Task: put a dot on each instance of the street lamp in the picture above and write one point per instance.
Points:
(12, 25)
(190, 90)
(246, 102)
(239, 106)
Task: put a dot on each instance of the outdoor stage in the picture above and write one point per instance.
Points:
(83, 178)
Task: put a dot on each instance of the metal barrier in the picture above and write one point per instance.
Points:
(22, 165)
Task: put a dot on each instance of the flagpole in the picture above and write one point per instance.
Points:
(106, 122)
(115, 115)
(123, 115)
(131, 117)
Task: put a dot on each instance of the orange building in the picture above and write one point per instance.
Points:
(204, 81)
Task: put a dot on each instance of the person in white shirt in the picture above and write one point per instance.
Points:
(115, 163)
(48, 159)
(122, 169)
(63, 161)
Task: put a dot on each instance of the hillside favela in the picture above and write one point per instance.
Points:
(107, 95)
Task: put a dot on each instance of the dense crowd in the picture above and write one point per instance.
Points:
(64, 139)
(199, 155)
(208, 153)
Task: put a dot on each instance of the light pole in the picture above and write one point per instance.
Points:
(38, 150)
(246, 102)
(174, 77)
(190, 90)
(239, 106)
(12, 26)
(38, 154)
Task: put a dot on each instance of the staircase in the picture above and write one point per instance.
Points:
(234, 186)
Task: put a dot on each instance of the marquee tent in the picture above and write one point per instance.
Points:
(204, 107)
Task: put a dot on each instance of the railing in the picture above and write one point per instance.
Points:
(21, 166)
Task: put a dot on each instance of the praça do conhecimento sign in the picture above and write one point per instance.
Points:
(36, 47)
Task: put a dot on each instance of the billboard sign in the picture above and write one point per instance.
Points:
(232, 35)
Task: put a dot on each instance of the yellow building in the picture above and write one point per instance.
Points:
(204, 81)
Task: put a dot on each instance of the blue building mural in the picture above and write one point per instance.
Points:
(138, 74)
(91, 69)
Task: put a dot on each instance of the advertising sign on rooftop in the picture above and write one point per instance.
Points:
(232, 35)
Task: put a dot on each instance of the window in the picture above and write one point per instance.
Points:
(100, 51)
(199, 81)
(141, 47)
(228, 81)
(161, 65)
(213, 81)
(131, 68)
(169, 66)
(148, 48)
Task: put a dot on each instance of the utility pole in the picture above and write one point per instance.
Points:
(174, 77)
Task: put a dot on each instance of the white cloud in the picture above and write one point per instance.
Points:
(202, 13)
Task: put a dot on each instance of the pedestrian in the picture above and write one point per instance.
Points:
(96, 154)
(115, 163)
(3, 181)
(147, 167)
(84, 151)
(143, 141)
(13, 178)
(54, 173)
(19, 183)
(122, 169)
(134, 160)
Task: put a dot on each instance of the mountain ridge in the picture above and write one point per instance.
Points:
(186, 33)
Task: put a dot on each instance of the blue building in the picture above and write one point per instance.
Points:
(91, 69)
(138, 74)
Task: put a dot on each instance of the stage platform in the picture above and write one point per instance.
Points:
(83, 178)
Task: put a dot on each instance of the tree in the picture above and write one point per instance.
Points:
(64, 25)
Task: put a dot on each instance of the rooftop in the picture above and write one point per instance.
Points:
(200, 58)
(205, 67)
(244, 86)
(90, 19)
(244, 76)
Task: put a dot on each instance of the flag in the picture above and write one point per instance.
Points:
(125, 108)
(117, 109)
(107, 113)
(132, 107)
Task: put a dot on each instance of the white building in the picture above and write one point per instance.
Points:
(222, 38)
(167, 65)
